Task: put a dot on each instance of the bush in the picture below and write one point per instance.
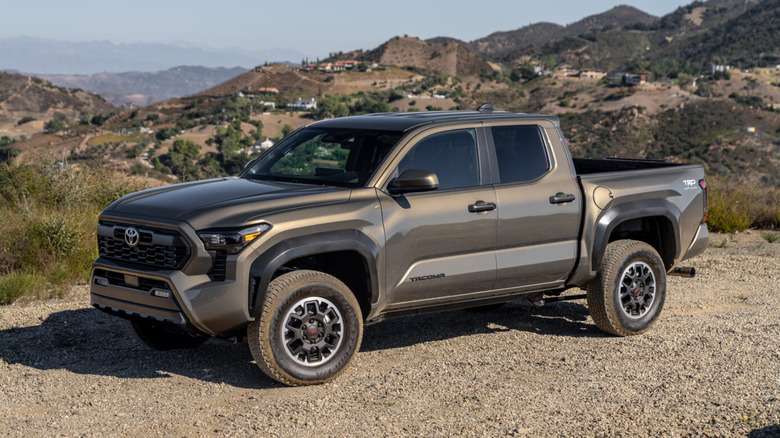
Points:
(16, 285)
(24, 120)
(738, 205)
(47, 235)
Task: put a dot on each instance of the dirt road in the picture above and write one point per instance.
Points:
(710, 366)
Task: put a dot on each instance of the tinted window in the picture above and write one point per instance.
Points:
(520, 152)
(325, 156)
(452, 156)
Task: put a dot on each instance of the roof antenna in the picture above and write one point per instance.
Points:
(486, 107)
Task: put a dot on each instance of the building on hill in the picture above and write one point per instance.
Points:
(565, 72)
(592, 73)
(333, 66)
(635, 78)
(303, 104)
(716, 68)
(267, 104)
(270, 90)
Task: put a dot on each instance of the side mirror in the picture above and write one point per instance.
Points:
(414, 180)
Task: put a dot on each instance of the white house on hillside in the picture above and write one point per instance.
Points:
(303, 104)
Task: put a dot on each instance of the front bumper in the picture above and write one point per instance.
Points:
(189, 298)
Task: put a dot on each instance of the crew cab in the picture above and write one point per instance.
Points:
(349, 221)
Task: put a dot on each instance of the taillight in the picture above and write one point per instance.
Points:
(703, 185)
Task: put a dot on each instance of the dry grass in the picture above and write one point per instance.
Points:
(47, 235)
(738, 205)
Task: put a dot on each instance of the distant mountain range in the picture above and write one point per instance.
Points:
(144, 88)
(43, 56)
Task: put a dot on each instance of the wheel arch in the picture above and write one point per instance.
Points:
(335, 253)
(655, 222)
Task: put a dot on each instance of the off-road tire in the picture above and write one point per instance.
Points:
(604, 292)
(159, 337)
(266, 334)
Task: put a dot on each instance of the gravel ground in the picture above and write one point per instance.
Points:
(709, 367)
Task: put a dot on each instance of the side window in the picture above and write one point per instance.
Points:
(520, 152)
(451, 155)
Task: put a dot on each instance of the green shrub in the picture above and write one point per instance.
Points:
(736, 205)
(47, 235)
(771, 237)
(18, 284)
(726, 219)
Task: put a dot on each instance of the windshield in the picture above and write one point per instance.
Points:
(325, 156)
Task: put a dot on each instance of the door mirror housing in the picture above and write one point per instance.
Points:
(413, 180)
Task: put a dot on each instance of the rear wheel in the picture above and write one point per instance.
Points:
(309, 328)
(629, 290)
(160, 337)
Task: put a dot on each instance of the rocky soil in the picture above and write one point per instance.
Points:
(709, 367)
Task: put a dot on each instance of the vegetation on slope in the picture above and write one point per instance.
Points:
(47, 235)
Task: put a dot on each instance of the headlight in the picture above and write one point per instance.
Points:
(232, 241)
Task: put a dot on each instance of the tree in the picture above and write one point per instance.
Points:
(330, 107)
(187, 148)
(24, 120)
(55, 125)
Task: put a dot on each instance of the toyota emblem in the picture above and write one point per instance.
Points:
(131, 237)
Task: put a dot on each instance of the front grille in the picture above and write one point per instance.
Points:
(159, 248)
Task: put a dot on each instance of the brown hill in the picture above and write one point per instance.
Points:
(283, 78)
(500, 43)
(448, 57)
(23, 96)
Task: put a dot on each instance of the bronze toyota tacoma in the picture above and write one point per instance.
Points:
(349, 221)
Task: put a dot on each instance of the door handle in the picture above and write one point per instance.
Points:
(561, 198)
(481, 207)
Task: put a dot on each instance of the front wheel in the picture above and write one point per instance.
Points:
(308, 330)
(629, 290)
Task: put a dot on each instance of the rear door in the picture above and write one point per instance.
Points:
(538, 206)
(436, 248)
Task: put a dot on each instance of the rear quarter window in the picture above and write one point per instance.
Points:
(521, 153)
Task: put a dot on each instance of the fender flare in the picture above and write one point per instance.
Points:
(278, 255)
(634, 210)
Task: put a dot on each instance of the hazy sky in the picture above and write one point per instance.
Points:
(311, 27)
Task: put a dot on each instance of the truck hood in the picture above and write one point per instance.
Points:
(225, 202)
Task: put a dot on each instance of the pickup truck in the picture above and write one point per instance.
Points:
(349, 221)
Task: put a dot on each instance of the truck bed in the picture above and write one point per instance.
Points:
(585, 166)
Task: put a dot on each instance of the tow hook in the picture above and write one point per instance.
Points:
(683, 271)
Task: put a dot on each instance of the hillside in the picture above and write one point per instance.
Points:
(277, 76)
(732, 32)
(498, 45)
(33, 98)
(740, 35)
(144, 88)
(447, 56)
(728, 122)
